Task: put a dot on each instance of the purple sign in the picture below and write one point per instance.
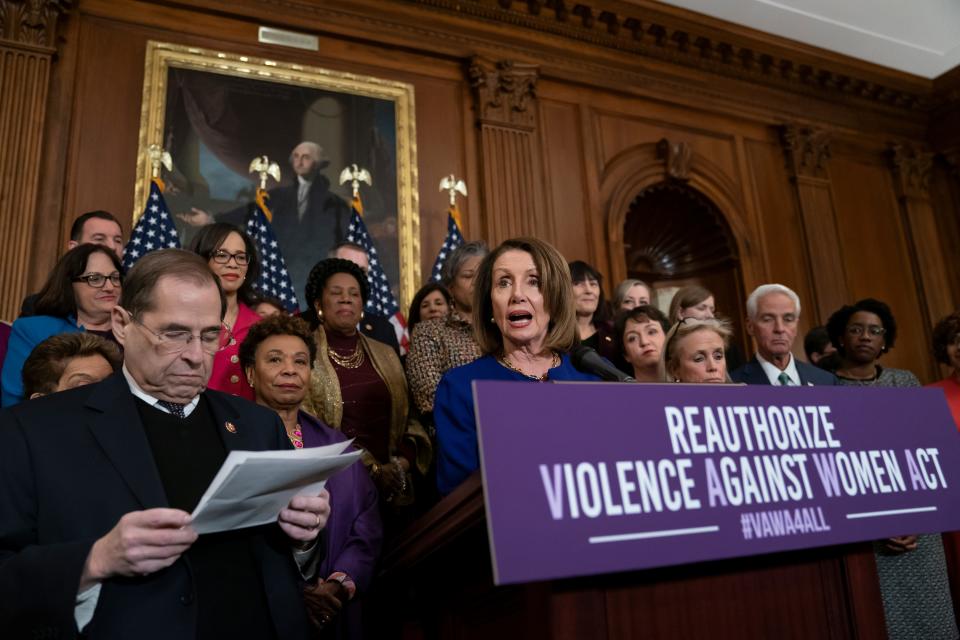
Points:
(588, 478)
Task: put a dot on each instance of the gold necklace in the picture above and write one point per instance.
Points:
(352, 361)
(555, 362)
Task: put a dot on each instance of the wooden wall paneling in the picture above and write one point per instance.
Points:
(808, 151)
(912, 169)
(566, 200)
(945, 196)
(779, 226)
(875, 252)
(47, 247)
(506, 110)
(27, 47)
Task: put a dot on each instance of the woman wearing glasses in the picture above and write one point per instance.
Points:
(78, 296)
(911, 568)
(694, 351)
(232, 257)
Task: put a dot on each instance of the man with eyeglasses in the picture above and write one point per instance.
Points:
(773, 317)
(92, 227)
(97, 484)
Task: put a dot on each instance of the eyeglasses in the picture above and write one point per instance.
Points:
(174, 341)
(859, 330)
(97, 280)
(223, 257)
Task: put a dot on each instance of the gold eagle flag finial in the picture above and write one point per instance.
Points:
(452, 185)
(355, 175)
(158, 156)
(262, 166)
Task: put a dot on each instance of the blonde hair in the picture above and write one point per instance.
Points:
(684, 328)
(554, 285)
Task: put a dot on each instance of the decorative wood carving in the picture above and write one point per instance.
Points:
(911, 170)
(505, 92)
(807, 149)
(677, 156)
(27, 36)
(666, 37)
(32, 22)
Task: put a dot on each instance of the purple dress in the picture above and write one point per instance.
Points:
(354, 530)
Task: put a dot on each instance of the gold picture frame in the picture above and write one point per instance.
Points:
(398, 153)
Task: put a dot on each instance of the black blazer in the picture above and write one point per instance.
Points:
(752, 373)
(71, 464)
(379, 328)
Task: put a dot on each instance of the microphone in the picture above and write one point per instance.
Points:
(588, 360)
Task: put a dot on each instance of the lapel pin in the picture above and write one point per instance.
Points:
(229, 426)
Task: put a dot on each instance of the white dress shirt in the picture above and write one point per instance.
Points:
(773, 371)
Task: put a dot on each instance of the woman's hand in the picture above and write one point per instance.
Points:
(900, 544)
(324, 602)
(390, 478)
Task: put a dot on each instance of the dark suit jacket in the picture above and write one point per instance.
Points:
(305, 242)
(73, 463)
(752, 373)
(379, 328)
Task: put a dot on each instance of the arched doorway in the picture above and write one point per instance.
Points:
(675, 236)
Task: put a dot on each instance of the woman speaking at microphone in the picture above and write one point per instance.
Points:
(525, 322)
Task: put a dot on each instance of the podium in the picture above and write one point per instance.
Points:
(437, 583)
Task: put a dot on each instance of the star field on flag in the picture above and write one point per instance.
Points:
(274, 279)
(154, 229)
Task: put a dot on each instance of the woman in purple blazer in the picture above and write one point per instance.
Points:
(276, 357)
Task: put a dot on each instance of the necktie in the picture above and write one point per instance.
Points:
(173, 407)
(302, 192)
(784, 379)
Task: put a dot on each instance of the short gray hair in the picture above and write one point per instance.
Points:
(475, 248)
(767, 289)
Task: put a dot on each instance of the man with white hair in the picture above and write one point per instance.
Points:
(773, 315)
(308, 218)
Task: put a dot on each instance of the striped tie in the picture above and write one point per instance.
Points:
(784, 379)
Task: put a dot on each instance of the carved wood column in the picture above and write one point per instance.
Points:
(27, 46)
(510, 164)
(911, 169)
(807, 150)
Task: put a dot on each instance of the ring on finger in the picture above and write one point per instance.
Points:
(317, 525)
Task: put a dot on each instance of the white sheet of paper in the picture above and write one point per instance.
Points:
(253, 486)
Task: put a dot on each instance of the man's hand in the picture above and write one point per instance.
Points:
(141, 543)
(196, 217)
(324, 602)
(305, 516)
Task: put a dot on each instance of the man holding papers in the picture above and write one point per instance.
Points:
(97, 485)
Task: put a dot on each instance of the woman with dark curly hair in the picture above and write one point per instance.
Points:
(357, 385)
(912, 569)
(861, 333)
(232, 256)
(946, 349)
(276, 357)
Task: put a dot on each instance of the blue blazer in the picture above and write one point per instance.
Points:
(752, 373)
(71, 464)
(453, 413)
(26, 334)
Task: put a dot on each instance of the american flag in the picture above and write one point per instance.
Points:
(453, 240)
(274, 279)
(381, 301)
(154, 229)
